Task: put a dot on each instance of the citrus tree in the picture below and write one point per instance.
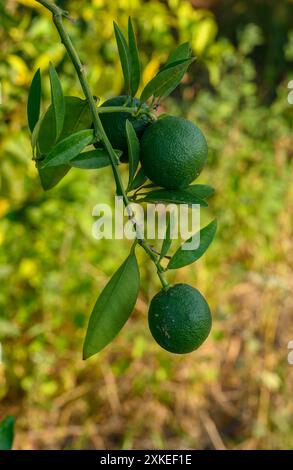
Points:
(164, 155)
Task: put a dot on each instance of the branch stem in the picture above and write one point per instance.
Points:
(116, 109)
(100, 133)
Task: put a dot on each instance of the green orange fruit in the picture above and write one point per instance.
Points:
(179, 319)
(115, 123)
(173, 152)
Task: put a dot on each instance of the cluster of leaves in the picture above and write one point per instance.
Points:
(62, 138)
(64, 131)
(167, 78)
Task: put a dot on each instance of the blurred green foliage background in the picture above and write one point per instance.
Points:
(236, 391)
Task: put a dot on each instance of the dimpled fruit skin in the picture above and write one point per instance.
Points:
(114, 123)
(179, 319)
(173, 152)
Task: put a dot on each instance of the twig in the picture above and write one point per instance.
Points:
(100, 134)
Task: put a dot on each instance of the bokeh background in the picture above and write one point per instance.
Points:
(235, 392)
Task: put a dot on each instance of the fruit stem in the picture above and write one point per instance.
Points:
(116, 109)
(163, 280)
(58, 13)
(156, 261)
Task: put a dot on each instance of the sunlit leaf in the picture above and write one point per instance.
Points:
(134, 59)
(179, 76)
(34, 101)
(182, 52)
(35, 136)
(166, 81)
(58, 103)
(124, 55)
(183, 257)
(113, 307)
(68, 148)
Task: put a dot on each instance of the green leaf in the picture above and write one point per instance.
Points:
(68, 148)
(183, 257)
(133, 151)
(58, 103)
(134, 59)
(176, 196)
(203, 191)
(182, 52)
(179, 56)
(6, 433)
(92, 159)
(179, 76)
(165, 81)
(124, 55)
(34, 101)
(35, 136)
(167, 240)
(139, 179)
(113, 307)
(77, 118)
(51, 176)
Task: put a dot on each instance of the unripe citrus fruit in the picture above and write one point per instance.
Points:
(115, 123)
(173, 152)
(179, 319)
